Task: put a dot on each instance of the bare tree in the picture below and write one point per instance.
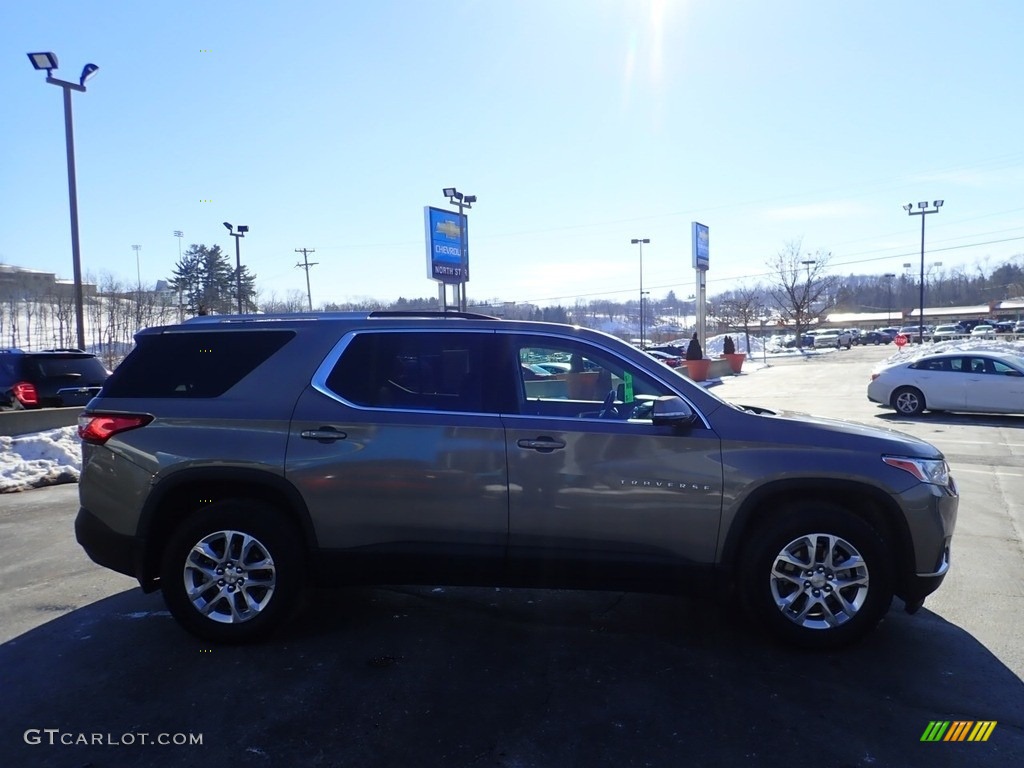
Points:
(801, 286)
(11, 306)
(294, 301)
(742, 308)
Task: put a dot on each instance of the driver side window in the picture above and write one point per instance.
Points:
(563, 378)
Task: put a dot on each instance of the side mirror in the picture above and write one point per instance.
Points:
(671, 410)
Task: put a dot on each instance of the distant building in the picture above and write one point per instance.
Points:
(23, 283)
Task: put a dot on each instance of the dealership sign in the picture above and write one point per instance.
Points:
(701, 259)
(447, 250)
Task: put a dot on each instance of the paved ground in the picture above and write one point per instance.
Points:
(518, 678)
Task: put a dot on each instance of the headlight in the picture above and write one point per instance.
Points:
(932, 471)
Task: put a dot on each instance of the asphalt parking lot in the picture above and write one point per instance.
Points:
(421, 676)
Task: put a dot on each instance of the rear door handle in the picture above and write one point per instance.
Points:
(542, 444)
(323, 435)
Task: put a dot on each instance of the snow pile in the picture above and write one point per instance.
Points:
(715, 346)
(40, 458)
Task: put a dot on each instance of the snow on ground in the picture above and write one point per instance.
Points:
(40, 458)
(55, 456)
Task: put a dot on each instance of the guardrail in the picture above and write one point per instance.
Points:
(13, 423)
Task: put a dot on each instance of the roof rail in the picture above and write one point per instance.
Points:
(209, 319)
(429, 313)
(278, 316)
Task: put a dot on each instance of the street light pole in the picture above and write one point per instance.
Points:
(640, 242)
(48, 61)
(922, 210)
(462, 201)
(138, 273)
(888, 310)
(238, 234)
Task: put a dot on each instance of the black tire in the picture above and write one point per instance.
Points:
(834, 605)
(259, 554)
(908, 401)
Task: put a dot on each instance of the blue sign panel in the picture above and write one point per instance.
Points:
(447, 246)
(701, 258)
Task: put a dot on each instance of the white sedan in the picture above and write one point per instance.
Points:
(982, 381)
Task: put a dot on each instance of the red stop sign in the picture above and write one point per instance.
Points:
(900, 340)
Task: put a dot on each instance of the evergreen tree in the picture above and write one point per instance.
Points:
(208, 282)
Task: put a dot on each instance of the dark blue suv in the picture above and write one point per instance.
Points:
(51, 378)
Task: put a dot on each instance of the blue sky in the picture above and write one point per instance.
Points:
(579, 124)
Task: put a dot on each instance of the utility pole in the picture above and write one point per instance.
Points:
(306, 264)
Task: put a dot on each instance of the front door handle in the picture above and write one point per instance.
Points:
(323, 435)
(542, 444)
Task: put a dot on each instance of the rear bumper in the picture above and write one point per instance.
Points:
(105, 546)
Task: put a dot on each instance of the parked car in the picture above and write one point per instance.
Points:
(672, 361)
(915, 332)
(947, 333)
(408, 448)
(1004, 326)
(873, 337)
(672, 349)
(806, 341)
(533, 371)
(1018, 327)
(50, 378)
(983, 331)
(833, 338)
(981, 382)
(553, 368)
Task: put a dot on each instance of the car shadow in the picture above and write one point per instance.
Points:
(421, 676)
(1012, 421)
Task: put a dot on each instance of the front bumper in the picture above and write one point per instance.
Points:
(931, 515)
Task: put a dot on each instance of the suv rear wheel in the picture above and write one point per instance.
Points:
(233, 571)
(816, 575)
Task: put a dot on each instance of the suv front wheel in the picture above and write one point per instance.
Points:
(233, 571)
(816, 576)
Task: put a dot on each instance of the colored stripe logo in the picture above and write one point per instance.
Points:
(959, 730)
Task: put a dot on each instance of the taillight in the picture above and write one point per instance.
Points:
(26, 393)
(97, 428)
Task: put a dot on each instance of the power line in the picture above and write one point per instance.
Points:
(675, 286)
(306, 264)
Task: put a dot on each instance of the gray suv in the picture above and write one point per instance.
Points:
(230, 461)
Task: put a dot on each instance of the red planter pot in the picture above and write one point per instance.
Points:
(698, 369)
(736, 360)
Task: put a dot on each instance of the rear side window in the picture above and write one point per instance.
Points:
(192, 365)
(414, 371)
